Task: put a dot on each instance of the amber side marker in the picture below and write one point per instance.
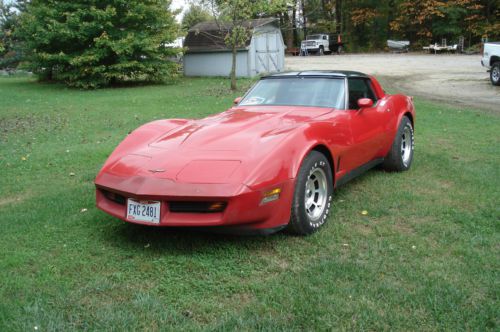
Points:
(271, 195)
(217, 206)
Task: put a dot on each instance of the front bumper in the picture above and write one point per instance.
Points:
(310, 49)
(483, 63)
(243, 207)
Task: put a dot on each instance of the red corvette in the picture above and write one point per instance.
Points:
(270, 162)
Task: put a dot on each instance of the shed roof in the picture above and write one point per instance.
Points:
(209, 36)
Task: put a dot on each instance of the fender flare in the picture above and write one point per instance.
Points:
(319, 146)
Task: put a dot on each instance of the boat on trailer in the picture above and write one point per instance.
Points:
(398, 45)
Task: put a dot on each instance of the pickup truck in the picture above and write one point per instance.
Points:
(320, 44)
(491, 60)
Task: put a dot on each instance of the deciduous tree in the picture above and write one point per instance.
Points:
(230, 16)
(10, 49)
(194, 15)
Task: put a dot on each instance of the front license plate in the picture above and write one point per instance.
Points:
(145, 211)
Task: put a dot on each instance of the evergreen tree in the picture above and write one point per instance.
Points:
(95, 43)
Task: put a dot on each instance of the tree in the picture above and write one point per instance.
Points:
(230, 17)
(367, 23)
(10, 50)
(424, 21)
(95, 43)
(194, 15)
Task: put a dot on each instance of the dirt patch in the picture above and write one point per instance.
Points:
(458, 80)
(28, 123)
(4, 201)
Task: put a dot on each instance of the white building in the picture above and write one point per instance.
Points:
(207, 55)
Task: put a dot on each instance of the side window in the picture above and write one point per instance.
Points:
(360, 88)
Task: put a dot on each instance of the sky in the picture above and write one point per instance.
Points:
(179, 4)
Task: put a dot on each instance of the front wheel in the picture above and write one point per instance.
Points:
(400, 157)
(312, 197)
(495, 74)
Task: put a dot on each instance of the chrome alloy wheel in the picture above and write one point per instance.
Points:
(495, 73)
(406, 145)
(316, 194)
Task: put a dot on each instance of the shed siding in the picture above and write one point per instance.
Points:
(267, 51)
(264, 54)
(215, 64)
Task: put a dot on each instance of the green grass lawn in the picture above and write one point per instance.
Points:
(426, 257)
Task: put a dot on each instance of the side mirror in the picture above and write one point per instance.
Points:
(365, 103)
(237, 100)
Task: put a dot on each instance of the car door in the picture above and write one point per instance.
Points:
(368, 133)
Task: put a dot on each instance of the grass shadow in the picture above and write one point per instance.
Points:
(185, 240)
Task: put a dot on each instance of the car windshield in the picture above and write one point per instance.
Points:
(298, 91)
(311, 37)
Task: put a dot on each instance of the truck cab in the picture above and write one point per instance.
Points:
(318, 44)
(491, 60)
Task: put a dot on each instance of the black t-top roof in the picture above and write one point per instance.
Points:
(318, 73)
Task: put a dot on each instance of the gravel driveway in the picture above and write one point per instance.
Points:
(454, 79)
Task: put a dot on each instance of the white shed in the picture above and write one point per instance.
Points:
(207, 55)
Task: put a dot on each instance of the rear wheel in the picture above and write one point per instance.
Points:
(312, 196)
(495, 74)
(400, 156)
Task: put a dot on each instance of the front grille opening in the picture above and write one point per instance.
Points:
(117, 198)
(197, 207)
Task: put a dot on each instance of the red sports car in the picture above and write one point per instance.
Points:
(272, 161)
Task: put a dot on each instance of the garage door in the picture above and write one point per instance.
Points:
(266, 52)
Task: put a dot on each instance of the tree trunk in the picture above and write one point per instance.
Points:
(233, 69)
(289, 30)
(304, 18)
(294, 23)
(338, 17)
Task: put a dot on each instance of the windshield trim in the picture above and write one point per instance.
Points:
(285, 105)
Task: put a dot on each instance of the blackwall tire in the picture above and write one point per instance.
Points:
(312, 199)
(495, 74)
(400, 157)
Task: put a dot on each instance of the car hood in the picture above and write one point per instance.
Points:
(238, 129)
(219, 149)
